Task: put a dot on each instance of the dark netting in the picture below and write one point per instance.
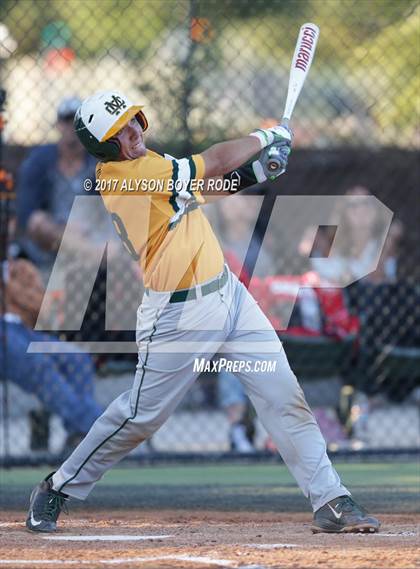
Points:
(208, 71)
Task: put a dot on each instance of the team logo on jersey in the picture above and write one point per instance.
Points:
(115, 105)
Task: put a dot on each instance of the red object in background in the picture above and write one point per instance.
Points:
(6, 180)
(322, 310)
(338, 322)
(283, 291)
(201, 30)
(59, 59)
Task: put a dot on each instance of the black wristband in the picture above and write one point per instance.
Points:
(241, 178)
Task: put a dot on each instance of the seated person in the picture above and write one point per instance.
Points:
(62, 382)
(48, 181)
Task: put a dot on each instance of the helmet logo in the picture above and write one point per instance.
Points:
(115, 105)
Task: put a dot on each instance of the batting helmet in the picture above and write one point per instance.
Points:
(100, 117)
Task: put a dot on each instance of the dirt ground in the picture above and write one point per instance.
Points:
(198, 540)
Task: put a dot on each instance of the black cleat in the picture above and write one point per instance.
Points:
(45, 507)
(343, 515)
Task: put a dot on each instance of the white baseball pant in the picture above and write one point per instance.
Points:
(170, 336)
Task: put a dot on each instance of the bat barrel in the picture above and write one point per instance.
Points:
(301, 63)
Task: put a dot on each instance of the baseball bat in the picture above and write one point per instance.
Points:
(299, 69)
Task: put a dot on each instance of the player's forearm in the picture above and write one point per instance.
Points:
(224, 157)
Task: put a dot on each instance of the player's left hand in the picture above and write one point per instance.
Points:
(272, 161)
(280, 133)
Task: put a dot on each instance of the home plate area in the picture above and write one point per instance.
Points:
(196, 540)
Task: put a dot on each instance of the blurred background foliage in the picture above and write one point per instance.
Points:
(197, 57)
(95, 26)
(99, 25)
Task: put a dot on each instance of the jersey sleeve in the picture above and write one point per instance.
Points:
(154, 174)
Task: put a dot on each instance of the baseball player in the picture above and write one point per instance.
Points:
(193, 306)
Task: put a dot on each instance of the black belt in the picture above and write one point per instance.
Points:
(191, 293)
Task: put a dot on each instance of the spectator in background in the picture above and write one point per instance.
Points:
(361, 225)
(62, 382)
(48, 180)
(242, 249)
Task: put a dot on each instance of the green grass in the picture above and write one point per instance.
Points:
(381, 487)
(353, 474)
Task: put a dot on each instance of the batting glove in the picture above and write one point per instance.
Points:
(276, 134)
(272, 162)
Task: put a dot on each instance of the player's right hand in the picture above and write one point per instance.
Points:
(276, 134)
(277, 154)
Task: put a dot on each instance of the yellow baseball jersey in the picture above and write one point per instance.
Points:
(154, 202)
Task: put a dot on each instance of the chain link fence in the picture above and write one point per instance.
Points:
(208, 71)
